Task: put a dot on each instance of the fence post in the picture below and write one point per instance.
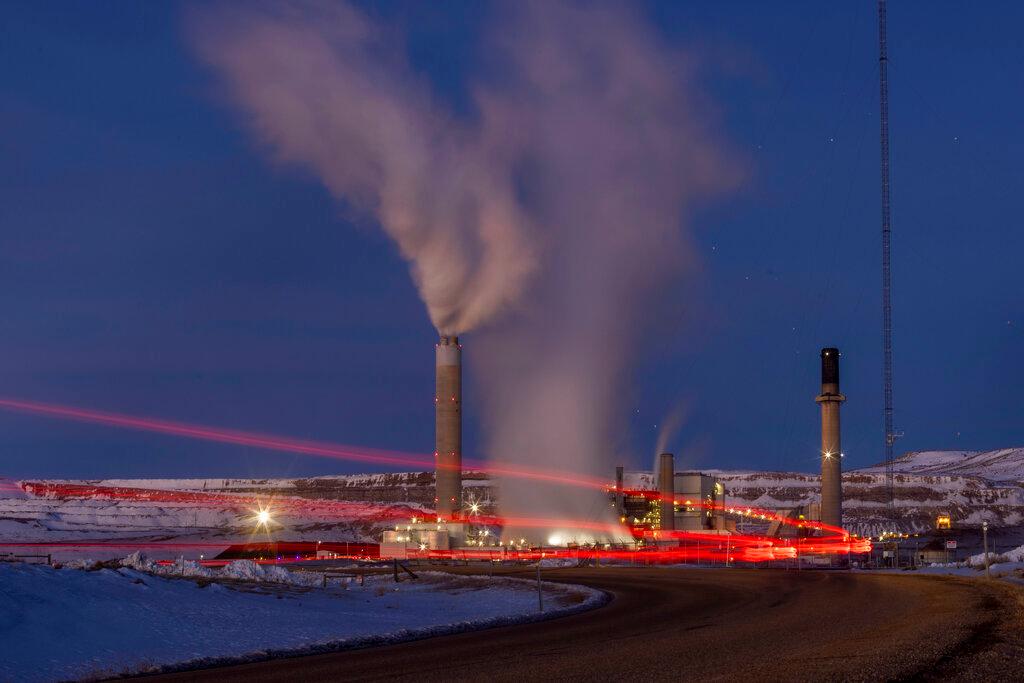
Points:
(540, 594)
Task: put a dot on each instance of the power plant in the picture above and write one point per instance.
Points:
(695, 502)
(831, 449)
(657, 506)
(448, 428)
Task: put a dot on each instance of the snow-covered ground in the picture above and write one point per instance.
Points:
(60, 624)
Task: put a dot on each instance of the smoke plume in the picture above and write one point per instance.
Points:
(323, 86)
(547, 219)
(669, 429)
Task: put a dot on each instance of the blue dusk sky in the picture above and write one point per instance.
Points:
(155, 261)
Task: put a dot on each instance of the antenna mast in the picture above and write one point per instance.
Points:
(883, 101)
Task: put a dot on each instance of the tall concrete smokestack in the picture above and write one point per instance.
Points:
(831, 447)
(667, 490)
(448, 429)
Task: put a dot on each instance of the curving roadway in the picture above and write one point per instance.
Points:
(702, 624)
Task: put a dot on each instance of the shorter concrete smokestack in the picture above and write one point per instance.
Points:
(831, 447)
(667, 490)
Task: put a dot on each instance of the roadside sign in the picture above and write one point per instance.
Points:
(951, 545)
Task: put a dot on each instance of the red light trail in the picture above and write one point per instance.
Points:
(194, 431)
(688, 545)
(753, 550)
(365, 512)
(285, 444)
(833, 539)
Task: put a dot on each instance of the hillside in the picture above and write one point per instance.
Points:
(1005, 465)
(919, 497)
(971, 486)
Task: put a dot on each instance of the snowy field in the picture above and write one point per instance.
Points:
(61, 624)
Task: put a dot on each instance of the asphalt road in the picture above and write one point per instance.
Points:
(693, 624)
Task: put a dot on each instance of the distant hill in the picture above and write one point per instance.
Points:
(972, 486)
(1002, 465)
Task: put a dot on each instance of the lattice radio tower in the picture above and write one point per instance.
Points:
(890, 435)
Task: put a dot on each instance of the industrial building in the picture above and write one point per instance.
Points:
(681, 501)
(424, 534)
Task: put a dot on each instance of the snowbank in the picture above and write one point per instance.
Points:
(80, 564)
(244, 570)
(72, 624)
(251, 571)
(1015, 555)
(138, 560)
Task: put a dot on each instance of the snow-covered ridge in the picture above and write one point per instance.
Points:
(973, 486)
(378, 480)
(1002, 465)
(76, 512)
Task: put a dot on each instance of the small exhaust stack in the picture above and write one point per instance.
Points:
(667, 490)
(831, 447)
(448, 429)
(620, 507)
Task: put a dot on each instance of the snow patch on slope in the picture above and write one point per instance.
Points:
(1001, 465)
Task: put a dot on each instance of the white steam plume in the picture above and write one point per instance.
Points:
(325, 87)
(548, 219)
(670, 426)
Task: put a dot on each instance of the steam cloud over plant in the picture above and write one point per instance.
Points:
(546, 219)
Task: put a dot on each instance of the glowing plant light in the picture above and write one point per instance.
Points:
(263, 517)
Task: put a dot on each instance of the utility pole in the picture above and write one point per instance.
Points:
(984, 537)
(883, 100)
